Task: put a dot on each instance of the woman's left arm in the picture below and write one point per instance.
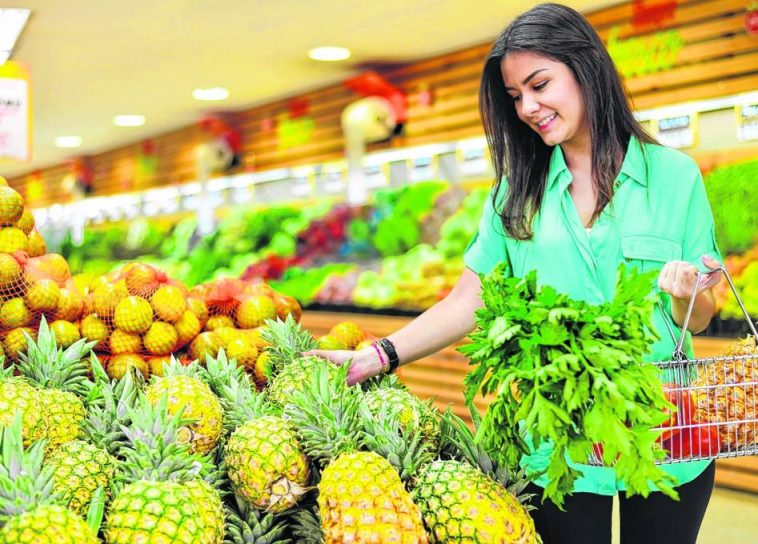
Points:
(679, 279)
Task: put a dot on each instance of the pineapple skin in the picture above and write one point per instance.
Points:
(79, 469)
(266, 465)
(47, 524)
(211, 510)
(461, 504)
(199, 403)
(62, 417)
(154, 512)
(361, 499)
(294, 378)
(16, 394)
(410, 410)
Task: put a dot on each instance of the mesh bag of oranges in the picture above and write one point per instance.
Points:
(135, 314)
(232, 313)
(31, 287)
(17, 232)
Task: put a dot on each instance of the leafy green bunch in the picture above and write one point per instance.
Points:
(569, 373)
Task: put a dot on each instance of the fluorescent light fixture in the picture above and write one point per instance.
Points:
(212, 93)
(68, 141)
(129, 120)
(329, 53)
(12, 22)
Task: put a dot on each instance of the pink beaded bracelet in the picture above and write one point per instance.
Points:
(384, 363)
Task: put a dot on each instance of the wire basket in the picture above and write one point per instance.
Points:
(716, 399)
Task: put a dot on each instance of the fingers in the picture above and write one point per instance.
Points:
(678, 278)
(710, 262)
(338, 357)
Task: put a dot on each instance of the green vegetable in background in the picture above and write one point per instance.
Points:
(577, 368)
(733, 193)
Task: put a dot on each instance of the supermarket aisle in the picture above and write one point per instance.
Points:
(732, 517)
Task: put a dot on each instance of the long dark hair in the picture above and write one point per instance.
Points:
(564, 35)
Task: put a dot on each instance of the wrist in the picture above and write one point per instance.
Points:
(369, 358)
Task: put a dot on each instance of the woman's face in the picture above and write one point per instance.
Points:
(547, 97)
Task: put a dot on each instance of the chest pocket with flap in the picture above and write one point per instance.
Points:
(649, 252)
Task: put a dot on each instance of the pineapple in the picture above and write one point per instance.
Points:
(464, 499)
(288, 369)
(264, 461)
(411, 412)
(161, 338)
(361, 496)
(246, 525)
(348, 333)
(30, 512)
(169, 303)
(11, 206)
(62, 379)
(254, 311)
(17, 395)
(133, 314)
(80, 467)
(153, 502)
(188, 394)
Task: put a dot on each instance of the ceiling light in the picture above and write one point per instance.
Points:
(68, 141)
(329, 53)
(129, 120)
(12, 22)
(213, 93)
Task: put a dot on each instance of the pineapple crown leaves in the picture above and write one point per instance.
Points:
(25, 482)
(459, 442)
(175, 368)
(383, 381)
(403, 446)
(157, 450)
(327, 415)
(287, 341)
(306, 526)
(111, 412)
(51, 367)
(246, 525)
(96, 510)
(239, 399)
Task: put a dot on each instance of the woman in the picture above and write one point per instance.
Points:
(580, 188)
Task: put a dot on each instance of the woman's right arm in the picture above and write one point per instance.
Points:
(441, 325)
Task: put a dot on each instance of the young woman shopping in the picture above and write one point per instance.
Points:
(579, 188)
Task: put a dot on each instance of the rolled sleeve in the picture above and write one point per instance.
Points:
(699, 236)
(487, 248)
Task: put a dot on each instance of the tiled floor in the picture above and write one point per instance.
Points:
(732, 518)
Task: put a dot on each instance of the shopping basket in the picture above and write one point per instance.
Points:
(716, 398)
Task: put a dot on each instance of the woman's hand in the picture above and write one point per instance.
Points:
(364, 364)
(679, 278)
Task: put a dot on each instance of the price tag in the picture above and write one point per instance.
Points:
(301, 185)
(15, 112)
(333, 179)
(747, 122)
(421, 169)
(679, 132)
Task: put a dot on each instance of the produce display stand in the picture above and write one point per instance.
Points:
(440, 376)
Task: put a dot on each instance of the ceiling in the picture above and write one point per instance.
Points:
(91, 60)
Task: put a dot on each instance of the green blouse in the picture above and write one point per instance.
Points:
(659, 213)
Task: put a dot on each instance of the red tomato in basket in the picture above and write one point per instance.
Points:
(685, 408)
(695, 441)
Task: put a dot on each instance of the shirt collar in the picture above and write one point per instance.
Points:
(634, 165)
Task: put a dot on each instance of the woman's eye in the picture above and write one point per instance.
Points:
(516, 98)
(540, 86)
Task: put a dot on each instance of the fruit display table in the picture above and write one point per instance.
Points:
(441, 376)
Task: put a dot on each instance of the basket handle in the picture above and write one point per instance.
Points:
(678, 353)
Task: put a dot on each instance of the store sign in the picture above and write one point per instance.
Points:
(472, 161)
(747, 122)
(375, 176)
(679, 132)
(15, 112)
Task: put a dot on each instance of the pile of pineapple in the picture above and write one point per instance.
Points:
(198, 455)
(32, 283)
